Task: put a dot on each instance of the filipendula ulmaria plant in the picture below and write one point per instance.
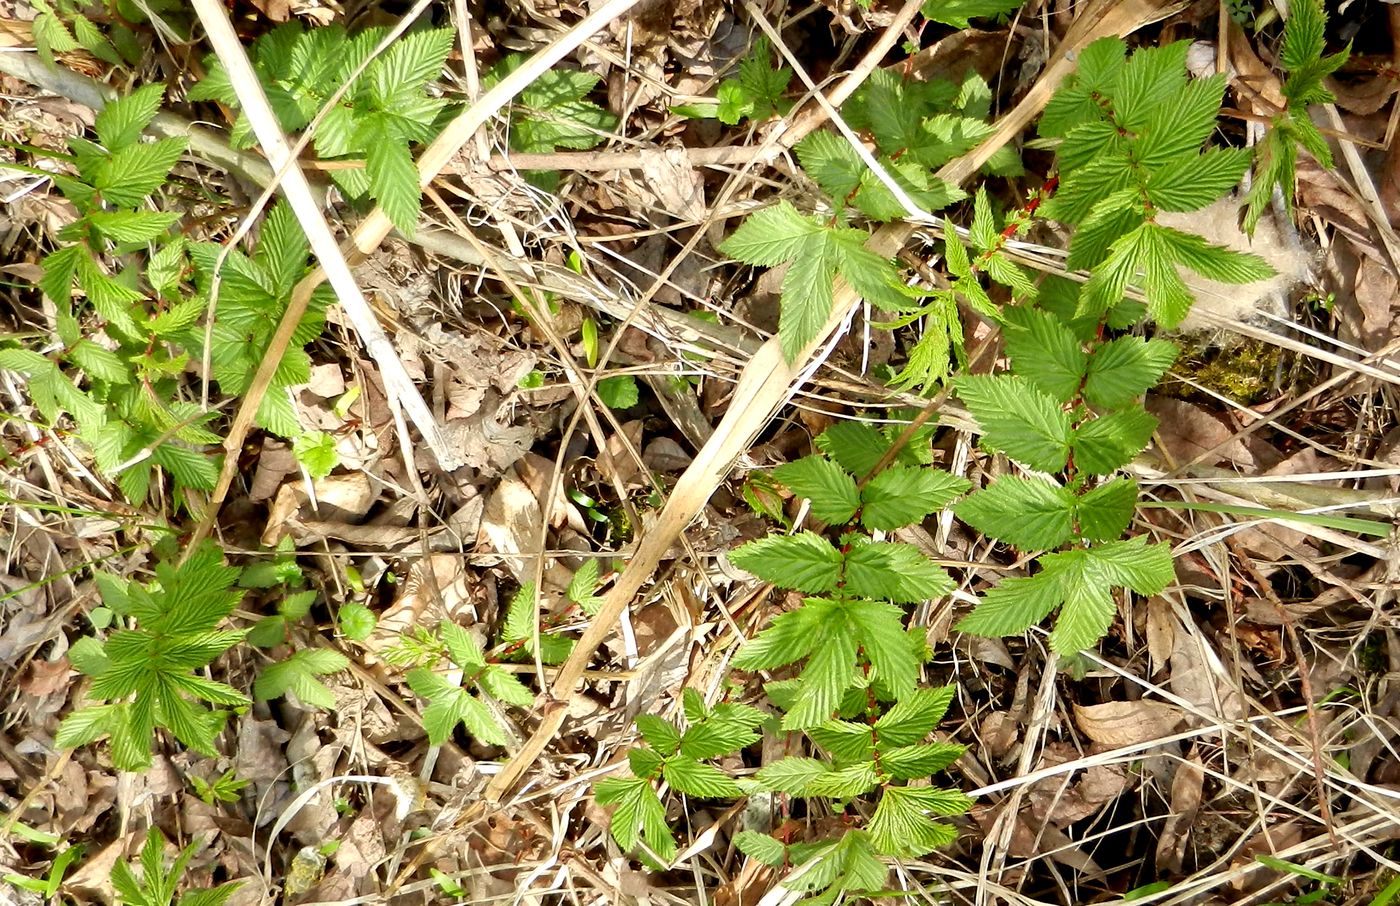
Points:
(1129, 135)
(917, 127)
(381, 115)
(251, 293)
(552, 112)
(129, 335)
(145, 671)
(448, 689)
(157, 883)
(678, 756)
(856, 697)
(1275, 165)
(298, 673)
(115, 370)
(755, 92)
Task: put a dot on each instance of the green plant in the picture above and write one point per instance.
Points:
(356, 621)
(227, 787)
(754, 93)
(61, 26)
(450, 701)
(298, 675)
(157, 882)
(917, 127)
(957, 12)
(553, 112)
(679, 758)
(115, 372)
(50, 884)
(382, 111)
(1128, 132)
(857, 697)
(145, 674)
(1304, 40)
(1128, 135)
(617, 392)
(126, 342)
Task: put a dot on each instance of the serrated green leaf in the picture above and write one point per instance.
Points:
(791, 636)
(1275, 166)
(832, 492)
(503, 686)
(1110, 441)
(644, 762)
(131, 226)
(807, 297)
(134, 172)
(1028, 513)
(901, 827)
(660, 734)
(1211, 261)
(714, 738)
(1106, 285)
(1085, 616)
(828, 673)
(297, 675)
(772, 236)
(88, 725)
(462, 646)
(912, 718)
(1194, 182)
(846, 782)
(686, 775)
(858, 447)
(790, 775)
(1154, 76)
(880, 629)
(761, 847)
(920, 761)
(401, 71)
(1143, 567)
(831, 161)
(393, 179)
(1122, 370)
(122, 121)
(1044, 351)
(1018, 419)
(1104, 171)
(637, 805)
(1304, 37)
(448, 706)
(1014, 605)
(98, 362)
(316, 452)
(895, 572)
(1105, 512)
(805, 561)
(903, 495)
(877, 279)
(763, 83)
(1178, 129)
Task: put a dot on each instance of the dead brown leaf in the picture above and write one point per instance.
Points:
(1118, 724)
